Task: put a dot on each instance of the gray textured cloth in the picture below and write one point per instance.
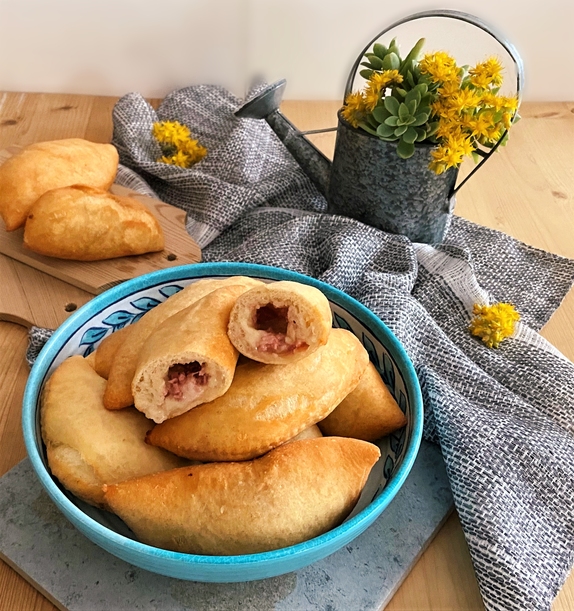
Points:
(503, 417)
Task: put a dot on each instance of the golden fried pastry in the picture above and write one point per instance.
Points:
(188, 359)
(294, 493)
(119, 388)
(311, 432)
(106, 351)
(281, 322)
(44, 166)
(86, 224)
(91, 360)
(266, 404)
(369, 412)
(88, 446)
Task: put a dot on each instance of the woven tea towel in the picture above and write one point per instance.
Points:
(503, 417)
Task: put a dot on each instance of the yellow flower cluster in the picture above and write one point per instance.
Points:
(493, 323)
(468, 108)
(177, 144)
(432, 100)
(359, 104)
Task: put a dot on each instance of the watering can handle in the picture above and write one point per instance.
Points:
(461, 17)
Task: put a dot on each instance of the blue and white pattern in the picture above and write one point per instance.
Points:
(118, 319)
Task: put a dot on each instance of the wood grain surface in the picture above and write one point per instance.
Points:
(98, 276)
(526, 190)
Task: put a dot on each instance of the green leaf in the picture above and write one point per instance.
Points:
(393, 48)
(423, 88)
(393, 121)
(370, 120)
(400, 130)
(366, 74)
(405, 149)
(421, 118)
(379, 50)
(432, 129)
(403, 111)
(367, 128)
(392, 105)
(380, 113)
(410, 135)
(412, 106)
(376, 62)
(421, 134)
(410, 79)
(402, 92)
(413, 55)
(425, 109)
(414, 95)
(385, 131)
(391, 61)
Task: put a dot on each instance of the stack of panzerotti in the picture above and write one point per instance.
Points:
(58, 191)
(230, 419)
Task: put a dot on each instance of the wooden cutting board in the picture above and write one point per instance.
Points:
(98, 276)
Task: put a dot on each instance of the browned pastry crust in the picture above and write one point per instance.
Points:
(369, 412)
(266, 404)
(88, 446)
(281, 322)
(292, 494)
(119, 388)
(188, 359)
(44, 166)
(86, 224)
(106, 351)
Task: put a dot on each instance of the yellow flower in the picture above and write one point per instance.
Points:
(170, 132)
(376, 86)
(440, 67)
(354, 108)
(180, 159)
(486, 73)
(371, 96)
(177, 146)
(194, 151)
(493, 323)
(384, 79)
(450, 153)
(465, 99)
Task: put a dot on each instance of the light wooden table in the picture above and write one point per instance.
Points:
(526, 190)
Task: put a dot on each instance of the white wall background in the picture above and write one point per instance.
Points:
(112, 47)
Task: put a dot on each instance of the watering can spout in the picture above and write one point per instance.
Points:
(265, 105)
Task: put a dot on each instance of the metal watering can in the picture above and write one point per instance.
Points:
(366, 179)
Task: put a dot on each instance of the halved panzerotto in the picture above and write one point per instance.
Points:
(280, 323)
(188, 359)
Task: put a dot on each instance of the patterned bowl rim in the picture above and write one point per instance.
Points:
(196, 271)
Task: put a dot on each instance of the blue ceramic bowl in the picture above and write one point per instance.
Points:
(125, 304)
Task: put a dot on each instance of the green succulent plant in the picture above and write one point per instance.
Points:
(455, 108)
(402, 116)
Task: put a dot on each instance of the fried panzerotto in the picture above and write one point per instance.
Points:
(266, 404)
(119, 388)
(88, 446)
(369, 412)
(106, 351)
(280, 322)
(44, 166)
(188, 359)
(292, 494)
(86, 224)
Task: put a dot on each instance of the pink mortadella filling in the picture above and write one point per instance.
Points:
(279, 337)
(184, 379)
